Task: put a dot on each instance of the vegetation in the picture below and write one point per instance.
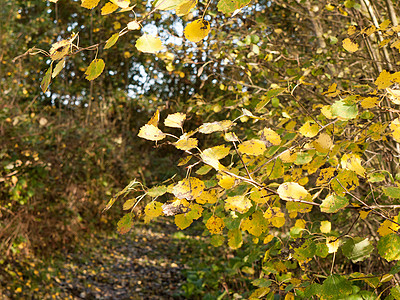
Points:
(275, 129)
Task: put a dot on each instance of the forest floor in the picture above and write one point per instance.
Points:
(146, 263)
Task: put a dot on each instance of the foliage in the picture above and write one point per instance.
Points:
(290, 137)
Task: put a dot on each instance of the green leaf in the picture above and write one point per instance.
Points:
(157, 191)
(217, 240)
(344, 109)
(357, 249)
(46, 79)
(333, 203)
(395, 292)
(389, 247)
(270, 94)
(235, 239)
(391, 191)
(306, 251)
(111, 41)
(125, 223)
(229, 6)
(125, 191)
(95, 68)
(335, 287)
(376, 177)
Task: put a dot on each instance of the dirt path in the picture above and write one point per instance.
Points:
(143, 264)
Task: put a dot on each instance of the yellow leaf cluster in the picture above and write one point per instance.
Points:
(275, 216)
(215, 225)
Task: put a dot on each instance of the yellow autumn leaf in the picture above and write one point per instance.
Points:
(95, 68)
(211, 156)
(182, 221)
(395, 129)
(60, 49)
(215, 225)
(188, 188)
(151, 132)
(211, 161)
(255, 224)
(270, 136)
(185, 7)
(197, 30)
(325, 227)
(325, 176)
(309, 129)
(89, 4)
(226, 181)
(184, 143)
(275, 216)
(370, 102)
(238, 203)
(388, 227)
(252, 147)
(300, 223)
(166, 4)
(394, 95)
(364, 214)
(231, 137)
(149, 44)
(333, 244)
(349, 46)
(352, 162)
(326, 110)
(121, 3)
(133, 25)
(208, 128)
(292, 191)
(154, 119)
(288, 157)
(260, 195)
(153, 209)
(217, 152)
(175, 120)
(108, 8)
(323, 143)
(351, 30)
(384, 80)
(209, 196)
